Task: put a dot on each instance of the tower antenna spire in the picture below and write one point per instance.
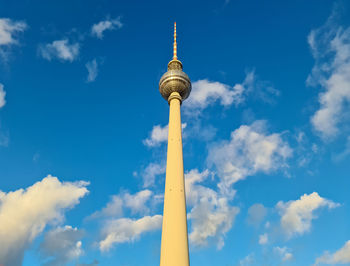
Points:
(175, 44)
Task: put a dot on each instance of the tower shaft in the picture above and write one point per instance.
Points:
(174, 246)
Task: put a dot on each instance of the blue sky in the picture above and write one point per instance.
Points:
(83, 130)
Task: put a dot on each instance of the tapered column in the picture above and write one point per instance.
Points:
(174, 247)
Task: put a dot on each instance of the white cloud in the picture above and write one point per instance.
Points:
(9, 30)
(263, 239)
(114, 208)
(109, 24)
(136, 203)
(284, 253)
(211, 220)
(194, 191)
(116, 229)
(24, 213)
(127, 230)
(256, 214)
(345, 153)
(61, 245)
(2, 96)
(250, 150)
(296, 216)
(248, 260)
(92, 68)
(342, 256)
(205, 93)
(60, 49)
(211, 215)
(150, 172)
(159, 135)
(330, 45)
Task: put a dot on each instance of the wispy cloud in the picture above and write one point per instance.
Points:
(330, 46)
(136, 203)
(127, 230)
(2, 96)
(150, 172)
(284, 253)
(263, 239)
(99, 28)
(256, 214)
(9, 30)
(92, 68)
(60, 49)
(345, 153)
(341, 256)
(248, 260)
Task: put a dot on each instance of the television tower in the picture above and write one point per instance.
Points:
(174, 86)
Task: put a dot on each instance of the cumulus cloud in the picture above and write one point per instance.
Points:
(92, 68)
(2, 96)
(211, 220)
(249, 151)
(330, 46)
(256, 214)
(205, 93)
(60, 49)
(9, 30)
(341, 256)
(159, 135)
(296, 216)
(211, 215)
(98, 29)
(127, 230)
(61, 245)
(284, 253)
(24, 213)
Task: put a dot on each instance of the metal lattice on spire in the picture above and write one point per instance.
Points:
(175, 44)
